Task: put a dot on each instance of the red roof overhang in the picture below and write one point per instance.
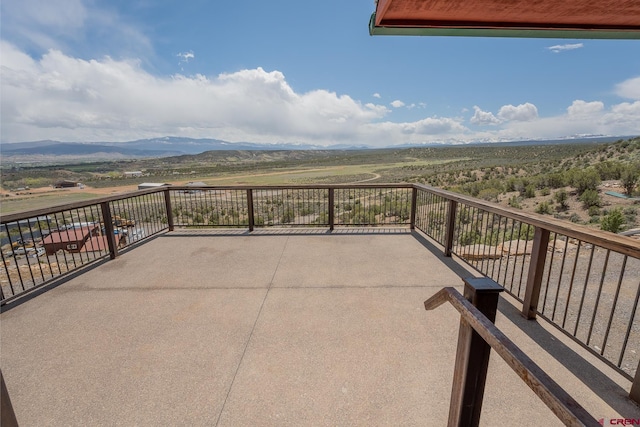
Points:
(510, 18)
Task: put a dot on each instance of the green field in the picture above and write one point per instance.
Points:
(39, 201)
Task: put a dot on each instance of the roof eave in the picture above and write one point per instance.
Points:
(511, 32)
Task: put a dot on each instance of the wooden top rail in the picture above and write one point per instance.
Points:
(563, 406)
(615, 242)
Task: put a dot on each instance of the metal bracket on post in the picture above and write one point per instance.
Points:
(536, 271)
(472, 355)
(451, 224)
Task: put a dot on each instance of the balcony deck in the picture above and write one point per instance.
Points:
(299, 328)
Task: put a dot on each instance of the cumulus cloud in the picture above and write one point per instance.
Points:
(68, 98)
(564, 47)
(629, 88)
(397, 103)
(483, 117)
(582, 108)
(58, 96)
(377, 95)
(523, 112)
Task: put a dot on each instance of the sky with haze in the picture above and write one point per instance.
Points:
(295, 72)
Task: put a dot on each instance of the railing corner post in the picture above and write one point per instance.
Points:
(331, 208)
(167, 203)
(536, 272)
(472, 355)
(414, 200)
(109, 231)
(250, 212)
(451, 224)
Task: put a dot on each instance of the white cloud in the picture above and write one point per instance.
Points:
(629, 88)
(377, 95)
(582, 108)
(397, 103)
(185, 56)
(40, 25)
(483, 117)
(58, 96)
(523, 112)
(564, 47)
(61, 97)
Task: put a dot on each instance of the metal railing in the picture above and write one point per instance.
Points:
(44, 245)
(477, 336)
(293, 206)
(585, 282)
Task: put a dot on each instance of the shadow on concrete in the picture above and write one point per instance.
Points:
(603, 386)
(455, 266)
(289, 232)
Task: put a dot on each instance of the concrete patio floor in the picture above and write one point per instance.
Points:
(265, 329)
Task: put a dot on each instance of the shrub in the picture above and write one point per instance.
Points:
(529, 191)
(489, 194)
(514, 202)
(585, 179)
(561, 197)
(594, 211)
(543, 208)
(629, 177)
(590, 198)
(612, 222)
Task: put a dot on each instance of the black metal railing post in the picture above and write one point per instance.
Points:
(472, 355)
(250, 208)
(450, 227)
(331, 208)
(536, 271)
(167, 204)
(414, 200)
(109, 231)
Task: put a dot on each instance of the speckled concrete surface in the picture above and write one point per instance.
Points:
(291, 329)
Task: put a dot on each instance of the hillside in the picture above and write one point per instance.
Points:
(568, 180)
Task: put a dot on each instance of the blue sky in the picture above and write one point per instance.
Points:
(297, 72)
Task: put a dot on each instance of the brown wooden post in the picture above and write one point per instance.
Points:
(331, 208)
(109, 230)
(472, 355)
(414, 200)
(634, 394)
(536, 272)
(451, 225)
(250, 208)
(167, 204)
(7, 416)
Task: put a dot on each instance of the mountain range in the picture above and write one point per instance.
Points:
(172, 146)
